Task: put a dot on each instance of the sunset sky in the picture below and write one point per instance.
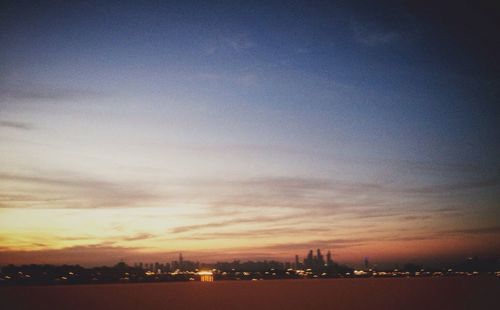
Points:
(249, 130)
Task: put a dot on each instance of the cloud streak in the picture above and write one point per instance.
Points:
(16, 125)
(371, 37)
(39, 92)
(236, 221)
(70, 191)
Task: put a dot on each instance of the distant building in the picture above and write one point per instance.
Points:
(315, 262)
(206, 276)
(329, 260)
(319, 258)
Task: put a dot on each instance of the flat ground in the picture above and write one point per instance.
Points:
(401, 293)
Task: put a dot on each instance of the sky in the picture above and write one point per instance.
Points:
(248, 130)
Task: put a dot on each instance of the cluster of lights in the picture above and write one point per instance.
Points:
(209, 275)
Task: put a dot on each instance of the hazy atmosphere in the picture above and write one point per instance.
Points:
(247, 130)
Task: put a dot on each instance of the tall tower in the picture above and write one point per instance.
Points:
(329, 261)
(309, 260)
(319, 258)
(181, 264)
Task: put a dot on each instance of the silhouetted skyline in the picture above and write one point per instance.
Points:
(312, 267)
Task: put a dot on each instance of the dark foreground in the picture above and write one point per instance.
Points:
(400, 293)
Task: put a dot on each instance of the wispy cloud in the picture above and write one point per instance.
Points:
(30, 92)
(446, 188)
(332, 195)
(431, 166)
(72, 191)
(240, 43)
(336, 243)
(266, 233)
(244, 79)
(16, 125)
(224, 43)
(227, 43)
(371, 36)
(474, 231)
(137, 237)
(236, 221)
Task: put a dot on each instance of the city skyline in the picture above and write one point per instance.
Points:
(241, 130)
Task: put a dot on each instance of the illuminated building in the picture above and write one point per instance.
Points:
(206, 276)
